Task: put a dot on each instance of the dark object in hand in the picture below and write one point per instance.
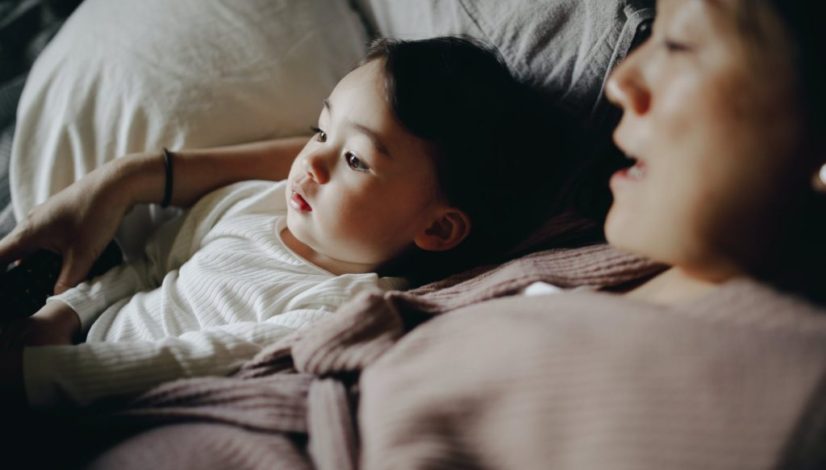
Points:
(25, 287)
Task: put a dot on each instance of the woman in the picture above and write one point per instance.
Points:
(707, 365)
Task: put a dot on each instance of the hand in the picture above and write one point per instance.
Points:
(77, 223)
(54, 324)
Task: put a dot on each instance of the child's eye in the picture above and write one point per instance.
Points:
(321, 136)
(355, 162)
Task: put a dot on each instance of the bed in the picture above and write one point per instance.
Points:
(125, 76)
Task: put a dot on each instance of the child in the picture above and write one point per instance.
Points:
(421, 163)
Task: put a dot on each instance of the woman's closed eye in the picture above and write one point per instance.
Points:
(675, 47)
(320, 135)
(355, 163)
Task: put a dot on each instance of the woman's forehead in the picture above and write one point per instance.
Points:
(718, 13)
(721, 5)
(753, 23)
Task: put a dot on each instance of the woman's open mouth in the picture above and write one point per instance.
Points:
(635, 172)
(299, 203)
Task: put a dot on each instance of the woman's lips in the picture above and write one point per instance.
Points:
(299, 203)
(635, 172)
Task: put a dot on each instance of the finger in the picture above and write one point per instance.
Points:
(73, 269)
(16, 245)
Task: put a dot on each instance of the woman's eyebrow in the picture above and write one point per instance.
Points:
(370, 133)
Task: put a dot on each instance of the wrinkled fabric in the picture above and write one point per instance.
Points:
(461, 374)
(303, 387)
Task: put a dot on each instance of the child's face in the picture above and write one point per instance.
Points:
(363, 187)
(714, 130)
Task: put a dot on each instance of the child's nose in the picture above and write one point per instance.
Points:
(317, 167)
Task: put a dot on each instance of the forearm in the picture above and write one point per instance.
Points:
(91, 298)
(199, 171)
(81, 219)
(83, 374)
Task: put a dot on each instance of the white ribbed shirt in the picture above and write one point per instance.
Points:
(215, 286)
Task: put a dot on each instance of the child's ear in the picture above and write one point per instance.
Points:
(446, 232)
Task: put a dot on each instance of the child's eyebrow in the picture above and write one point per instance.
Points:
(370, 133)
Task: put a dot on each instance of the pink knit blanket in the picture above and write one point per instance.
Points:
(574, 380)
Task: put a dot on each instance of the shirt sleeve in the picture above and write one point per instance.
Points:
(82, 374)
(167, 249)
(89, 299)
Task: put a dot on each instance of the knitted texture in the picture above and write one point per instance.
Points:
(576, 380)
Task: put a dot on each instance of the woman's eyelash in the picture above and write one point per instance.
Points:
(321, 135)
(675, 46)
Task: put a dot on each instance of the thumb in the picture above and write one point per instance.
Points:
(73, 269)
(15, 246)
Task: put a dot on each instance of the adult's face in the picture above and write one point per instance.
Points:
(710, 120)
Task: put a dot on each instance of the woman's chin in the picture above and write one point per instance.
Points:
(613, 227)
(623, 232)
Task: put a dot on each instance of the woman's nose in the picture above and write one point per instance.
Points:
(626, 86)
(317, 167)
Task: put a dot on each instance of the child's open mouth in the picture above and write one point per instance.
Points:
(299, 203)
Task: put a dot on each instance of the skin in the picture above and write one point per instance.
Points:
(716, 138)
(79, 221)
(364, 189)
(54, 324)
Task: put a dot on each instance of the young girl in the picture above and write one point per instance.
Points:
(413, 166)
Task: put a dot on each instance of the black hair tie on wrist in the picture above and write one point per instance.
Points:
(167, 189)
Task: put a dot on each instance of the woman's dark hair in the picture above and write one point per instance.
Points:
(501, 151)
(803, 25)
(803, 267)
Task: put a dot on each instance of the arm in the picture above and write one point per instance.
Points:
(54, 324)
(82, 374)
(66, 316)
(198, 172)
(172, 244)
(79, 221)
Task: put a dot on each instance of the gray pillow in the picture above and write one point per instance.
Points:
(566, 47)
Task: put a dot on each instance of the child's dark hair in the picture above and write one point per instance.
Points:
(501, 152)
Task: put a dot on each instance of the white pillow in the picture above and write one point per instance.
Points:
(130, 75)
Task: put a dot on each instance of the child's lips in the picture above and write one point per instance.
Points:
(298, 202)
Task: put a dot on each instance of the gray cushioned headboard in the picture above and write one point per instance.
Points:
(566, 47)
